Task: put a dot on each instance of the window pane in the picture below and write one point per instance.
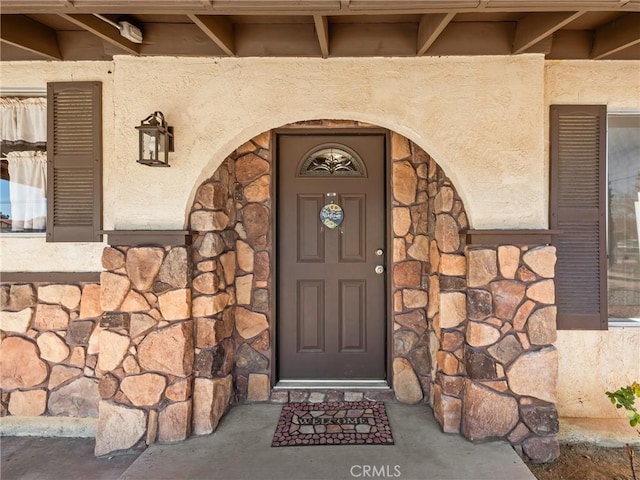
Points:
(624, 216)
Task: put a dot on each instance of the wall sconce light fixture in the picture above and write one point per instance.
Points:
(156, 141)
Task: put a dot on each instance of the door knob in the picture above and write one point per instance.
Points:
(379, 269)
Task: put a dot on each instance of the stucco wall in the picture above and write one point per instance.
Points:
(592, 362)
(480, 118)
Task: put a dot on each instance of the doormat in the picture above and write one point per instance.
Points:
(333, 423)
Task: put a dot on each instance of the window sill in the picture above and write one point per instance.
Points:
(624, 322)
(23, 235)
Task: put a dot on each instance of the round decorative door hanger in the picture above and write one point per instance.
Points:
(331, 215)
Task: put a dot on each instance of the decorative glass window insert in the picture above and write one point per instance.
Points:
(329, 161)
(624, 215)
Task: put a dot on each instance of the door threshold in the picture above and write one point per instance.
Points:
(332, 385)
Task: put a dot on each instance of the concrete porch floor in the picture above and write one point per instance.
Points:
(240, 449)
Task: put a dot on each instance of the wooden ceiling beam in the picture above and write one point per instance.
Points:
(623, 32)
(219, 29)
(322, 31)
(101, 29)
(27, 34)
(535, 27)
(431, 26)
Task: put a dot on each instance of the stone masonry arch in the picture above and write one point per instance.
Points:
(472, 323)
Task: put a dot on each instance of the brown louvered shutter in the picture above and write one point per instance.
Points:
(74, 153)
(578, 210)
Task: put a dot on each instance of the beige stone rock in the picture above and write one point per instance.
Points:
(414, 320)
(419, 249)
(535, 374)
(21, 297)
(259, 190)
(405, 182)
(67, 295)
(447, 234)
(399, 250)
(249, 167)
(212, 195)
(415, 298)
(144, 390)
(399, 146)
(18, 322)
(77, 358)
(249, 324)
(90, 301)
(174, 422)
(113, 347)
(207, 305)
(453, 309)
(434, 256)
(452, 265)
(130, 365)
(169, 350)
(405, 382)
(20, 365)
(76, 399)
(259, 388)
(262, 266)
(152, 427)
(401, 221)
(444, 200)
(134, 302)
(481, 334)
(541, 260)
(175, 304)
(487, 413)
(175, 268)
(447, 410)
(179, 391)
(61, 374)
(508, 260)
(119, 428)
(108, 386)
(542, 292)
(482, 265)
(210, 401)
(263, 140)
(52, 347)
(29, 404)
(228, 262)
(50, 317)
(522, 314)
(207, 221)
(206, 283)
(407, 274)
(206, 333)
(541, 326)
(112, 259)
(211, 245)
(434, 296)
(94, 341)
(507, 295)
(141, 323)
(244, 287)
(143, 264)
(113, 290)
(244, 256)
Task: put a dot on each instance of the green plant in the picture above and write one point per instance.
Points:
(625, 397)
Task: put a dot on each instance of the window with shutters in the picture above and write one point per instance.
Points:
(23, 163)
(623, 225)
(595, 206)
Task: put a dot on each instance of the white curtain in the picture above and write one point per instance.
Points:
(27, 190)
(23, 119)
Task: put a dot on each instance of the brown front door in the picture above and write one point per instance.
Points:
(331, 300)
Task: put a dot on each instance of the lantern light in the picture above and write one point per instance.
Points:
(155, 141)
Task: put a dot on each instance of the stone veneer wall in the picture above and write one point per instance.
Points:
(48, 354)
(511, 364)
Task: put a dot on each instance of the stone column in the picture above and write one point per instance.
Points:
(511, 364)
(145, 345)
